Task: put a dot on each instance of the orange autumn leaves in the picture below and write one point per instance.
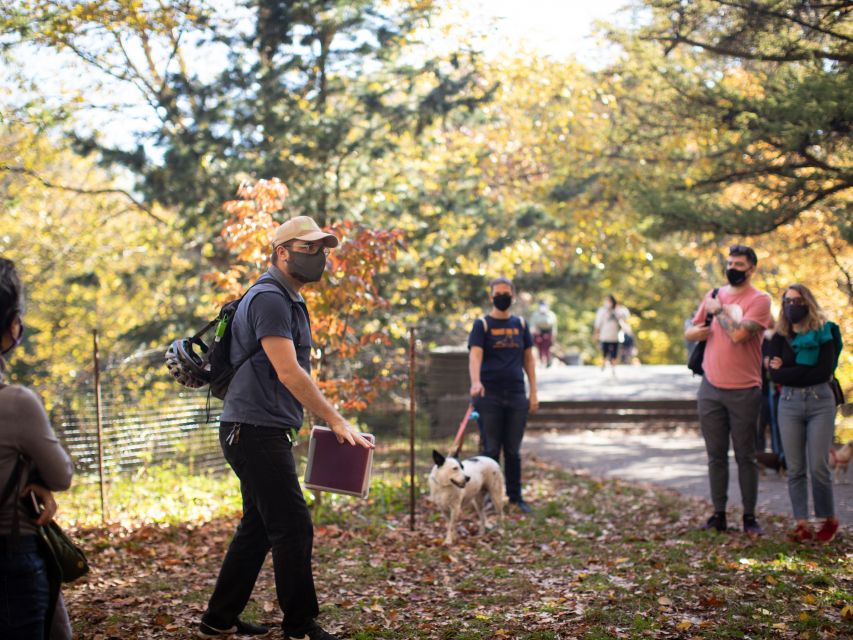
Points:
(346, 307)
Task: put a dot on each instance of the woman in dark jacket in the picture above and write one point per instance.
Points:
(31, 460)
(804, 353)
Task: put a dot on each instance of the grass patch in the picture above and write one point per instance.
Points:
(168, 494)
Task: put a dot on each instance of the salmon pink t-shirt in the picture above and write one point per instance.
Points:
(728, 365)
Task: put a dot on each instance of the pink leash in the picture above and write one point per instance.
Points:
(470, 414)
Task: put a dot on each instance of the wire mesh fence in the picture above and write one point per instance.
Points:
(147, 420)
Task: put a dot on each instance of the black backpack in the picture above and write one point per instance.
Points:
(221, 370)
(697, 355)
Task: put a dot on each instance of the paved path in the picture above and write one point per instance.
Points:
(671, 459)
(675, 460)
(640, 382)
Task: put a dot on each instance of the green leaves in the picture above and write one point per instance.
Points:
(756, 98)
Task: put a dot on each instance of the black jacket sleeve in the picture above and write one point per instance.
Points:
(792, 374)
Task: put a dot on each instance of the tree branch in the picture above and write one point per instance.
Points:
(88, 192)
(674, 41)
(782, 171)
(848, 285)
(797, 210)
(758, 8)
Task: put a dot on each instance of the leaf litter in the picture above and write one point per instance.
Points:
(596, 559)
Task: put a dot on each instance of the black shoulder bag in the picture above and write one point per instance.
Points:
(694, 363)
(837, 391)
(68, 559)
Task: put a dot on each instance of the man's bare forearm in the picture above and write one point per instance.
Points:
(729, 324)
(738, 331)
(305, 390)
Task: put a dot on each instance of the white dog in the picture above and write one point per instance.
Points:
(839, 459)
(454, 485)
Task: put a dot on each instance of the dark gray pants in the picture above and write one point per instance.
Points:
(726, 414)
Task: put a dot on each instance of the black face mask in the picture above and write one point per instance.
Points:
(735, 276)
(502, 301)
(15, 341)
(796, 314)
(306, 267)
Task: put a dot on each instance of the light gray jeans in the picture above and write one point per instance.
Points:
(726, 414)
(807, 426)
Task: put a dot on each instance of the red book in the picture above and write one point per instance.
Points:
(336, 467)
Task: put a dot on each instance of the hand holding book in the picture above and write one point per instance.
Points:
(344, 432)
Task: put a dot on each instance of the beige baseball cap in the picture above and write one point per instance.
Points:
(302, 228)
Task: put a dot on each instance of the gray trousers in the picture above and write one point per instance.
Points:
(807, 426)
(726, 414)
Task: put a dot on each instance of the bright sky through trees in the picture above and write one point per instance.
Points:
(558, 28)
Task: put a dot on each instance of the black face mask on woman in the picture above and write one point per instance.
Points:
(306, 267)
(502, 301)
(796, 313)
(17, 340)
(735, 276)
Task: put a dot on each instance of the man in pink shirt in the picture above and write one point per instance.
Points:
(729, 397)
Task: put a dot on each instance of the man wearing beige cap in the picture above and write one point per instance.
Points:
(271, 349)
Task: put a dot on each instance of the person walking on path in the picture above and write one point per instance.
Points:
(500, 353)
(31, 460)
(803, 356)
(543, 324)
(263, 409)
(729, 397)
(610, 320)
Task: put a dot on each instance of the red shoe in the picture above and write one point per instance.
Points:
(801, 533)
(827, 532)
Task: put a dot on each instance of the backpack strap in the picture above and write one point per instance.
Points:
(197, 337)
(14, 477)
(485, 324)
(9, 491)
(286, 293)
(12, 483)
(708, 317)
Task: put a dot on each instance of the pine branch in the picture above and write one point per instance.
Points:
(803, 56)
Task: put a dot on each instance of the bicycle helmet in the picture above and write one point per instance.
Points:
(189, 368)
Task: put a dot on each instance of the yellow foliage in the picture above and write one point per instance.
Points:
(87, 262)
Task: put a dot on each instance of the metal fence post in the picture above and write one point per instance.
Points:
(412, 429)
(99, 421)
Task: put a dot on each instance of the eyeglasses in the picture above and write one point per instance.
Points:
(311, 248)
(794, 302)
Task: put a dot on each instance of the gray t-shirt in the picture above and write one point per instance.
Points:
(255, 395)
(25, 429)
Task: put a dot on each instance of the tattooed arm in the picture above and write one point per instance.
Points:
(738, 331)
